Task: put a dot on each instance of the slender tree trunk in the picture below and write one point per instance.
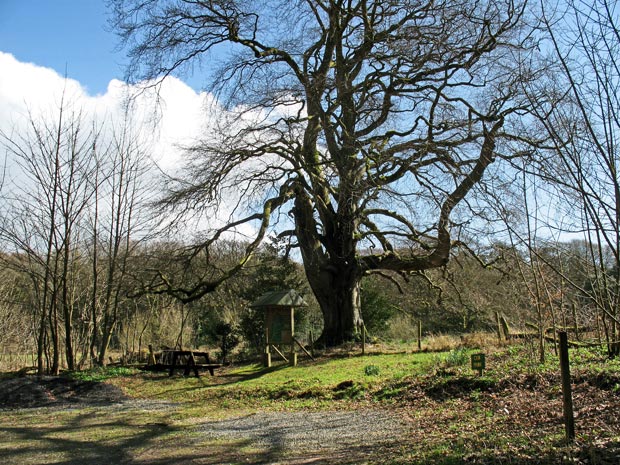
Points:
(95, 274)
(105, 343)
(67, 310)
(53, 314)
(41, 342)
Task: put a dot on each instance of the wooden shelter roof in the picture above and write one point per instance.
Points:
(285, 299)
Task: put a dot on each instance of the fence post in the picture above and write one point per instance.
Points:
(419, 335)
(363, 339)
(499, 327)
(569, 418)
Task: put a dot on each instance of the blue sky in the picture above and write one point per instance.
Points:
(65, 35)
(42, 41)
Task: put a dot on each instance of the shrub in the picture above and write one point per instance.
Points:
(377, 310)
(371, 370)
(229, 339)
(457, 357)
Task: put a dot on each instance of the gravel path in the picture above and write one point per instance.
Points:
(275, 438)
(311, 431)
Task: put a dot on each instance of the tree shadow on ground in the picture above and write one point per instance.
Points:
(95, 439)
(89, 437)
(232, 378)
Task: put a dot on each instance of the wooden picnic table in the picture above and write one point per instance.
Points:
(190, 363)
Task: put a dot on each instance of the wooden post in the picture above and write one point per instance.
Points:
(569, 418)
(419, 335)
(499, 327)
(301, 346)
(363, 339)
(293, 361)
(505, 327)
(280, 353)
(267, 354)
(478, 362)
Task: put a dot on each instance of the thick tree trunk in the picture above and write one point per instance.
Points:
(332, 270)
(338, 294)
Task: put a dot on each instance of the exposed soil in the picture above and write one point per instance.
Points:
(32, 392)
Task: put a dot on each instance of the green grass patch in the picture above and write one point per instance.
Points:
(102, 373)
(314, 385)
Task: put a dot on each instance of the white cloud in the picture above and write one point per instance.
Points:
(29, 90)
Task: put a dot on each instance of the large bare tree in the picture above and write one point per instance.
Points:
(355, 127)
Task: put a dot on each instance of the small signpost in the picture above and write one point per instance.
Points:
(478, 362)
